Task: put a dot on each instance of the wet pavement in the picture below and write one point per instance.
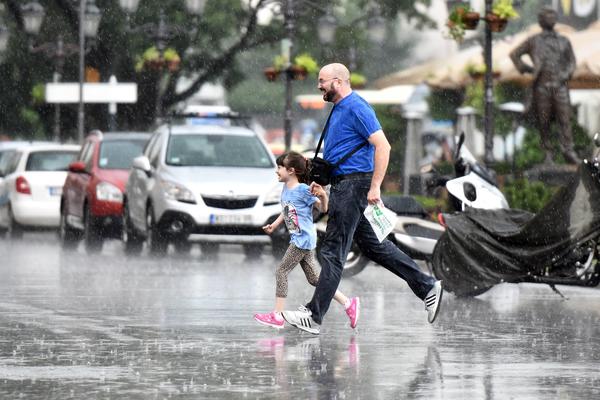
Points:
(107, 326)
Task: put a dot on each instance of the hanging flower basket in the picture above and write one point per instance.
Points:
(477, 75)
(271, 74)
(298, 72)
(154, 64)
(471, 20)
(496, 23)
(477, 72)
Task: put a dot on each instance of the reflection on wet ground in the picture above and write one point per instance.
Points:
(73, 326)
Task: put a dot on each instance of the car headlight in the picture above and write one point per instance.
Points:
(274, 195)
(108, 192)
(175, 191)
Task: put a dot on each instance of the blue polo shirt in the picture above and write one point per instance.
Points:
(352, 122)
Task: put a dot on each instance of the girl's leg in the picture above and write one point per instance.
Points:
(309, 266)
(292, 256)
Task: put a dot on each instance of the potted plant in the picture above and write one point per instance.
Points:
(304, 65)
(152, 60)
(357, 81)
(171, 59)
(477, 71)
(271, 74)
(461, 18)
(502, 11)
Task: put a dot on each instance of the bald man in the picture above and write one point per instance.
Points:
(355, 184)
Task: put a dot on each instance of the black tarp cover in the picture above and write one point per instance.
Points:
(481, 248)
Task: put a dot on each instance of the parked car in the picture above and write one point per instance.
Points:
(202, 183)
(31, 189)
(91, 205)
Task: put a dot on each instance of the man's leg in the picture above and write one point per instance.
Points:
(344, 213)
(543, 108)
(393, 259)
(562, 107)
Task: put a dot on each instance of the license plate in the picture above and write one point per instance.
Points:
(230, 219)
(55, 190)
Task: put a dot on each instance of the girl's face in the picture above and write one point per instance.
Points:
(284, 173)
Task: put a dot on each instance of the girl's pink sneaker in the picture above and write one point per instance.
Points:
(270, 319)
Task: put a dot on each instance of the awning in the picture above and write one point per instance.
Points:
(398, 94)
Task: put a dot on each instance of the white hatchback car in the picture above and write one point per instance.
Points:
(31, 189)
(205, 183)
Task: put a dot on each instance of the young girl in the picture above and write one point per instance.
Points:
(297, 200)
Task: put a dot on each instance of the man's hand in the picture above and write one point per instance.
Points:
(374, 195)
(317, 190)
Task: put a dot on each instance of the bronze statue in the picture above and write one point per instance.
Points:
(553, 65)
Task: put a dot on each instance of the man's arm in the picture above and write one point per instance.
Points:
(520, 51)
(570, 63)
(382, 158)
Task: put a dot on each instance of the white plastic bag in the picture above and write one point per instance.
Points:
(381, 219)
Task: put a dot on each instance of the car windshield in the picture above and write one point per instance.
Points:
(119, 154)
(56, 160)
(214, 150)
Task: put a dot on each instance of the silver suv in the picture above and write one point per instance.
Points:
(202, 183)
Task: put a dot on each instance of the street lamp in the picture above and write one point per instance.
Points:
(89, 21)
(161, 32)
(33, 17)
(488, 93)
(4, 36)
(326, 28)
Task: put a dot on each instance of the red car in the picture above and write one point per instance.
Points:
(92, 197)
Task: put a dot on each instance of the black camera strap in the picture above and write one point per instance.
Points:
(324, 132)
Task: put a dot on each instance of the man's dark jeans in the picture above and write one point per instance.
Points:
(348, 200)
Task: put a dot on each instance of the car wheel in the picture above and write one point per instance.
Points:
(15, 230)
(355, 262)
(133, 241)
(209, 250)
(157, 243)
(92, 236)
(182, 246)
(69, 237)
(279, 246)
(253, 251)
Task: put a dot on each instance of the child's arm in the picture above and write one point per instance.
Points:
(269, 228)
(322, 202)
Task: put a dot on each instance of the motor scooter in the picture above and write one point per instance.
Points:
(558, 245)
(415, 233)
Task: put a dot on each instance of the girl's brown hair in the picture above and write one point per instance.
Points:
(295, 160)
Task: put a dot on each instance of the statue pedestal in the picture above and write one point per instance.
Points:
(552, 174)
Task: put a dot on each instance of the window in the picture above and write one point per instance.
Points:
(119, 154)
(86, 155)
(215, 150)
(7, 162)
(50, 160)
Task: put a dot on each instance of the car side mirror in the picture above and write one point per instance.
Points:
(77, 167)
(142, 163)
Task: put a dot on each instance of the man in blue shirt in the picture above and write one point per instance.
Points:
(355, 184)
